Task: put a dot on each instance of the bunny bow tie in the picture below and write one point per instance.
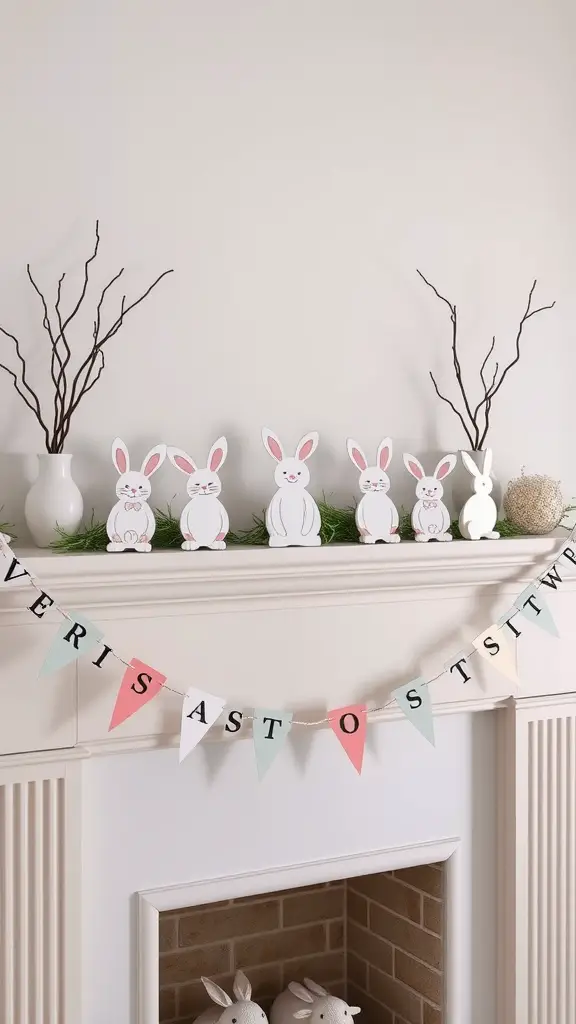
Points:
(430, 504)
(136, 505)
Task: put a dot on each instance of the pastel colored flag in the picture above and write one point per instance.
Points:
(73, 639)
(532, 604)
(140, 684)
(495, 647)
(269, 731)
(349, 725)
(458, 667)
(199, 712)
(414, 699)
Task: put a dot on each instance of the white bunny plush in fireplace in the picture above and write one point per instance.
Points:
(243, 1011)
(312, 1002)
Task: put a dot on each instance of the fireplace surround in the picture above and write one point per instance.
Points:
(101, 833)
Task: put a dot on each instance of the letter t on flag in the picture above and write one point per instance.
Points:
(349, 725)
(199, 712)
(269, 731)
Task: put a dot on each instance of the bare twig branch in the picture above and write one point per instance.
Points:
(454, 409)
(28, 395)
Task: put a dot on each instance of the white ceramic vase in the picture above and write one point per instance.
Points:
(463, 484)
(53, 500)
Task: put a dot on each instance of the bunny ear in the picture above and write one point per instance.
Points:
(181, 460)
(272, 444)
(413, 466)
(486, 468)
(217, 994)
(218, 453)
(242, 987)
(120, 456)
(303, 1013)
(384, 453)
(315, 988)
(356, 454)
(300, 992)
(470, 464)
(154, 459)
(354, 1010)
(307, 445)
(445, 466)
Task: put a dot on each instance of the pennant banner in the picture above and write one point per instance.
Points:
(349, 724)
(531, 603)
(270, 731)
(199, 712)
(494, 646)
(72, 639)
(415, 702)
(12, 572)
(140, 684)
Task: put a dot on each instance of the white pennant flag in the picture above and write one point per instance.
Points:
(12, 571)
(199, 712)
(494, 645)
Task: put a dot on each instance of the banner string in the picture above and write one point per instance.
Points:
(6, 550)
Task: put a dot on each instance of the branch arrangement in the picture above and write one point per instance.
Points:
(476, 419)
(69, 387)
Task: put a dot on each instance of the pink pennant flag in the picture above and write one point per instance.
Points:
(349, 725)
(139, 684)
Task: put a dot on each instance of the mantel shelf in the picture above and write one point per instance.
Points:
(247, 576)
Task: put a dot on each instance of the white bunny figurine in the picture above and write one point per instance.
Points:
(376, 514)
(430, 518)
(312, 1001)
(478, 517)
(244, 1011)
(292, 517)
(131, 523)
(204, 521)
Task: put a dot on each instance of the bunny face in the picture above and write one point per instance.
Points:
(482, 480)
(372, 478)
(429, 487)
(201, 481)
(291, 471)
(321, 1007)
(134, 485)
(242, 1012)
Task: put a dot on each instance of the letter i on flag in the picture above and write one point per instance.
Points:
(75, 637)
(349, 725)
(199, 712)
(414, 700)
(269, 731)
(140, 683)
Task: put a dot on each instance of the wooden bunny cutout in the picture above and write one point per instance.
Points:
(312, 1002)
(430, 518)
(131, 523)
(204, 520)
(478, 517)
(376, 515)
(292, 517)
(244, 1011)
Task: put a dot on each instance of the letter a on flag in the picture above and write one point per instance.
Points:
(349, 725)
(140, 683)
(199, 712)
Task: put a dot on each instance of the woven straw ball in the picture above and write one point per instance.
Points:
(534, 504)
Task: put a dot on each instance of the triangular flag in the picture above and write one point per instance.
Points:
(140, 683)
(12, 571)
(269, 731)
(414, 699)
(494, 645)
(199, 712)
(532, 604)
(74, 638)
(349, 725)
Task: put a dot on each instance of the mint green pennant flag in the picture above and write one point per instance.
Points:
(415, 702)
(532, 604)
(270, 730)
(75, 637)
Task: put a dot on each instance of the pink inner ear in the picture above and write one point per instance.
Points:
(183, 464)
(216, 459)
(384, 458)
(151, 464)
(359, 459)
(305, 450)
(275, 448)
(444, 469)
(415, 470)
(120, 460)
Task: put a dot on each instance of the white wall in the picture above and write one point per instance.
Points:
(149, 822)
(294, 162)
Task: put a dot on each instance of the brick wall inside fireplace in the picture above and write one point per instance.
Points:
(376, 940)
